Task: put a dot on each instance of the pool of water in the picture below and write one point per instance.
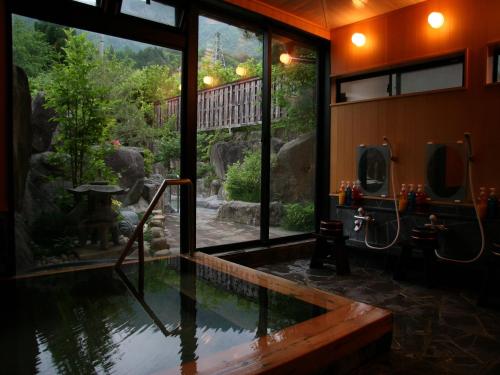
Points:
(98, 321)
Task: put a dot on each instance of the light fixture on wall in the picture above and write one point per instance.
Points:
(436, 20)
(358, 39)
(241, 71)
(285, 58)
(208, 80)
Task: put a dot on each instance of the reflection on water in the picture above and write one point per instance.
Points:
(98, 322)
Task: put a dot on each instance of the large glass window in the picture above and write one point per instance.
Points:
(91, 147)
(293, 142)
(228, 134)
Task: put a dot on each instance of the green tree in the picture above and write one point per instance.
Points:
(169, 148)
(79, 102)
(54, 34)
(30, 49)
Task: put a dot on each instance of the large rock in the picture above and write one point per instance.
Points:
(249, 213)
(43, 127)
(22, 133)
(223, 154)
(134, 193)
(24, 255)
(293, 173)
(151, 186)
(129, 163)
(44, 185)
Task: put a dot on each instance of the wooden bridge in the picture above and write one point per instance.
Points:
(232, 105)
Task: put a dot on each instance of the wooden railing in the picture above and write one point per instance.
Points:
(228, 106)
(138, 234)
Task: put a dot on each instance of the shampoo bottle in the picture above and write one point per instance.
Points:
(403, 199)
(412, 197)
(482, 203)
(356, 193)
(420, 198)
(348, 194)
(342, 194)
(492, 204)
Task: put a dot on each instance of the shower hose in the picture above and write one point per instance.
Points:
(395, 207)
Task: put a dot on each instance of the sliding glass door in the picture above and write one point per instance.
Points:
(229, 132)
(293, 137)
(240, 171)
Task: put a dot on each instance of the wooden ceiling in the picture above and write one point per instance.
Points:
(323, 14)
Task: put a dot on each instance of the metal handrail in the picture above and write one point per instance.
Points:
(139, 230)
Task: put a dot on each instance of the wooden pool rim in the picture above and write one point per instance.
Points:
(304, 348)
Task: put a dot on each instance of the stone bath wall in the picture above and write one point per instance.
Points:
(462, 239)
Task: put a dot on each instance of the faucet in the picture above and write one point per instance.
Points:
(360, 218)
(434, 225)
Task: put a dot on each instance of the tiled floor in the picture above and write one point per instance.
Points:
(436, 331)
(213, 232)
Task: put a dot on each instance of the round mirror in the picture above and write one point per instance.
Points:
(446, 171)
(372, 170)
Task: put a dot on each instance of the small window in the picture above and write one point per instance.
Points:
(422, 77)
(366, 88)
(88, 2)
(150, 10)
(496, 65)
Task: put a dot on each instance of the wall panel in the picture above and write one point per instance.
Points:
(411, 121)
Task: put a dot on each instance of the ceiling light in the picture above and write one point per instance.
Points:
(358, 39)
(285, 58)
(436, 20)
(208, 80)
(359, 4)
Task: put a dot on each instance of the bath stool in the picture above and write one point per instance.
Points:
(330, 244)
(426, 239)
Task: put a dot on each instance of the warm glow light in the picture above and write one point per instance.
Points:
(359, 4)
(285, 58)
(208, 80)
(358, 39)
(180, 87)
(436, 20)
(241, 71)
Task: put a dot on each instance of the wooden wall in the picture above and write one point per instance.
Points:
(411, 121)
(3, 119)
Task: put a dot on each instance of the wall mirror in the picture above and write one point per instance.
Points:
(445, 177)
(373, 169)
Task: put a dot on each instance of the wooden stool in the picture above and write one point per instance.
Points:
(330, 243)
(426, 239)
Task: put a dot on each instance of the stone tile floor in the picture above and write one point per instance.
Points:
(213, 232)
(436, 331)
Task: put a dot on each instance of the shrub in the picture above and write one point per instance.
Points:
(299, 217)
(149, 160)
(243, 179)
(204, 169)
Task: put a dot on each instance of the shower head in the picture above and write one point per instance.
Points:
(467, 137)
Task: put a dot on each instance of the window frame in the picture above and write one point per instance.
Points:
(395, 73)
(106, 18)
(496, 59)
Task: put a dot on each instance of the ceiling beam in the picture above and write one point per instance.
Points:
(267, 10)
